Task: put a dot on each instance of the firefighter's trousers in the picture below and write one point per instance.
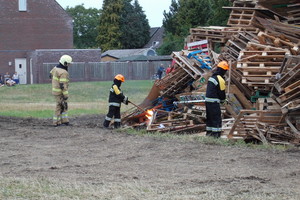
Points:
(61, 111)
(213, 119)
(113, 112)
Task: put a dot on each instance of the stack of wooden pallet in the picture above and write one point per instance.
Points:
(264, 89)
(236, 44)
(187, 70)
(275, 134)
(245, 123)
(281, 30)
(258, 67)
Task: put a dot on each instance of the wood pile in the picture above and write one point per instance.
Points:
(262, 45)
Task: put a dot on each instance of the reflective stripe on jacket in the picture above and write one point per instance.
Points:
(60, 81)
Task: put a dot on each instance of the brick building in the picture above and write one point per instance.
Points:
(29, 27)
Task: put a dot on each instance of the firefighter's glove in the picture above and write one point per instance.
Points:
(225, 102)
(126, 101)
(61, 85)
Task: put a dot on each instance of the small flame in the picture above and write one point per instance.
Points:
(149, 113)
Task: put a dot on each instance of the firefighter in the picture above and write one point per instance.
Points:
(60, 84)
(116, 97)
(215, 94)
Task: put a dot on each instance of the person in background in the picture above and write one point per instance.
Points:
(215, 94)
(6, 77)
(60, 86)
(170, 69)
(10, 82)
(15, 78)
(116, 97)
(160, 71)
(1, 81)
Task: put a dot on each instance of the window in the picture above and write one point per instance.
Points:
(22, 5)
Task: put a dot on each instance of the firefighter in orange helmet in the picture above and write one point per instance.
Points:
(60, 85)
(116, 97)
(215, 94)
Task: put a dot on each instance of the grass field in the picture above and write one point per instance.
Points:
(85, 98)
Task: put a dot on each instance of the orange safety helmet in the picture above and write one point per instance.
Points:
(224, 65)
(120, 77)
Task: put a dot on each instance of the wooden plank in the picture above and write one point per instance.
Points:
(247, 119)
(292, 86)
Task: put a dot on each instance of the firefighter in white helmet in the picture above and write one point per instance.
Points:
(60, 85)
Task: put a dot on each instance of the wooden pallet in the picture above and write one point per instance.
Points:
(289, 63)
(246, 121)
(241, 17)
(185, 63)
(265, 38)
(233, 48)
(294, 15)
(236, 44)
(220, 32)
(292, 94)
(208, 31)
(288, 78)
(175, 121)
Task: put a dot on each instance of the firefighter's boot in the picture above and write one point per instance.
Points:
(106, 123)
(117, 124)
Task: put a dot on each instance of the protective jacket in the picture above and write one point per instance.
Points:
(60, 80)
(116, 96)
(215, 91)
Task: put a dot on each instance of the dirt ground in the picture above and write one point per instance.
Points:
(87, 153)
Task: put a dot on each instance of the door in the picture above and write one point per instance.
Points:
(21, 69)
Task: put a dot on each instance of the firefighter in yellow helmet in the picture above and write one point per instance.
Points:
(60, 85)
(116, 97)
(215, 94)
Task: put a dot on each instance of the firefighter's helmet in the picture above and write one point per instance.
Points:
(120, 77)
(224, 65)
(65, 60)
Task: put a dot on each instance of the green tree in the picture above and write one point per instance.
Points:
(143, 24)
(109, 30)
(186, 14)
(134, 26)
(169, 22)
(219, 15)
(171, 43)
(84, 26)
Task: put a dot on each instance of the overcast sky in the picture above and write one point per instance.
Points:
(153, 8)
